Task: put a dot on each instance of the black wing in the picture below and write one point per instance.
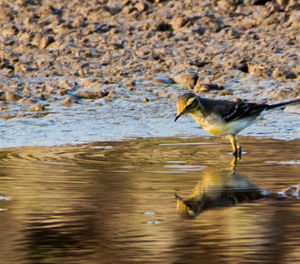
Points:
(242, 109)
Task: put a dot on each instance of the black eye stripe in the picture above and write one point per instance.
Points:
(192, 105)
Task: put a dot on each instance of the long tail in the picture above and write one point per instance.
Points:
(284, 103)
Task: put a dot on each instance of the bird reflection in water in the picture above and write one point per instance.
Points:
(219, 188)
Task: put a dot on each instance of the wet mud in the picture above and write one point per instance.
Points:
(125, 62)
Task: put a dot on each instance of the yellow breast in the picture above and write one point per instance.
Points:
(216, 126)
(212, 125)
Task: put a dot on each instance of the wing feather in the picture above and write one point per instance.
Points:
(242, 110)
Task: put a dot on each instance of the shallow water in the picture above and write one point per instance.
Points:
(128, 116)
(114, 202)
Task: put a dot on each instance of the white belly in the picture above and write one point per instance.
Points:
(218, 127)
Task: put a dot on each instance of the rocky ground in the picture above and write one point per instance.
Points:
(64, 52)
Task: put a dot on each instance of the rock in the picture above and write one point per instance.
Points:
(241, 65)
(37, 108)
(79, 21)
(46, 41)
(112, 95)
(42, 96)
(68, 101)
(285, 74)
(9, 30)
(234, 33)
(248, 23)
(225, 93)
(259, 70)
(123, 43)
(294, 19)
(228, 4)
(27, 101)
(9, 96)
(199, 30)
(186, 80)
(21, 67)
(6, 116)
(206, 87)
(92, 94)
(66, 85)
(96, 85)
(141, 6)
(178, 22)
(36, 39)
(213, 26)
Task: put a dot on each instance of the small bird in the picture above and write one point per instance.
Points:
(222, 117)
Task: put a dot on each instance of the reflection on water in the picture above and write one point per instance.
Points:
(114, 203)
(217, 188)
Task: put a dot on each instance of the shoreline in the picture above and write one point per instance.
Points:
(65, 62)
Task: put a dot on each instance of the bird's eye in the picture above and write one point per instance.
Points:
(189, 104)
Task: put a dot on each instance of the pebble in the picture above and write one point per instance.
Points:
(141, 6)
(46, 41)
(37, 108)
(76, 50)
(27, 101)
(186, 80)
(178, 22)
(68, 101)
(145, 100)
(9, 96)
(89, 94)
(259, 70)
(206, 87)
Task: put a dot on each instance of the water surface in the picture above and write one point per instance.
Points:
(114, 202)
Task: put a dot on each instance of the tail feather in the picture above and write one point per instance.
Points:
(284, 103)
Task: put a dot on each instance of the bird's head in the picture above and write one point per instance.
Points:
(184, 209)
(186, 104)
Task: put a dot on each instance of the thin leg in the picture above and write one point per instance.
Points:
(236, 148)
(233, 144)
(234, 163)
(239, 148)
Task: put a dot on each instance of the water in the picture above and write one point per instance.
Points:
(114, 202)
(128, 116)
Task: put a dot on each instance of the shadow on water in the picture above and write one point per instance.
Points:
(114, 202)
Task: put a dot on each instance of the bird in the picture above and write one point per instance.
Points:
(223, 117)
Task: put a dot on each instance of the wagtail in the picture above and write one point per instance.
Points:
(222, 117)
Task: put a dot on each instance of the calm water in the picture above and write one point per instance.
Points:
(115, 202)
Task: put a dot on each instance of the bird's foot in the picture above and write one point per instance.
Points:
(237, 153)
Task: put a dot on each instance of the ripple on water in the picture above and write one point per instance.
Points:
(71, 204)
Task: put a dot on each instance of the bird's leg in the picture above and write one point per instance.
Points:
(233, 144)
(236, 148)
(234, 163)
(239, 148)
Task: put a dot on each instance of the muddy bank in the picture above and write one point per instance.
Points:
(143, 53)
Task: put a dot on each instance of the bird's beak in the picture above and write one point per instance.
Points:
(178, 115)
